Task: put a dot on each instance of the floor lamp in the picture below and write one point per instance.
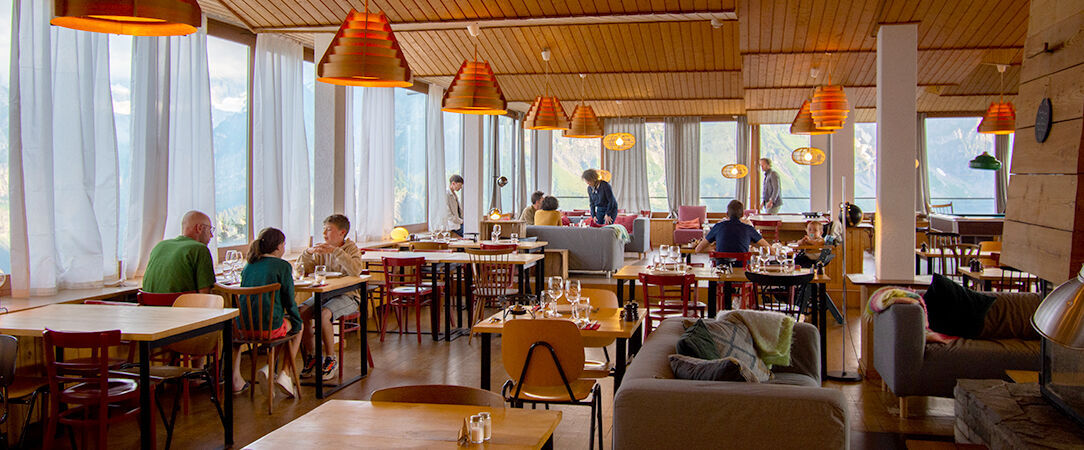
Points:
(843, 374)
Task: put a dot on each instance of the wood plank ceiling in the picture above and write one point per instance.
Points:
(662, 57)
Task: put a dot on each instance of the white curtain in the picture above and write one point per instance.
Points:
(922, 200)
(280, 154)
(542, 160)
(744, 153)
(628, 167)
(172, 148)
(1001, 151)
(63, 161)
(434, 148)
(375, 162)
(682, 152)
(521, 195)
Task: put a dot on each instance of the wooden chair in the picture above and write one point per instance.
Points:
(544, 359)
(939, 242)
(1014, 280)
(19, 390)
(94, 399)
(743, 291)
(512, 247)
(669, 296)
(769, 229)
(403, 283)
(599, 298)
(441, 394)
(944, 208)
(958, 255)
(780, 292)
(994, 247)
(253, 328)
(493, 281)
(425, 246)
(150, 299)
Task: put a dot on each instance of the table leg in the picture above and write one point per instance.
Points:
(227, 401)
(929, 265)
(713, 301)
(548, 445)
(522, 275)
(459, 285)
(987, 285)
(146, 433)
(470, 296)
(728, 295)
(820, 298)
(621, 293)
(317, 331)
(363, 331)
(637, 340)
(619, 367)
(539, 277)
(632, 290)
(434, 307)
(486, 343)
(447, 301)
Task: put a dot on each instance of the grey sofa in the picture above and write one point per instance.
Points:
(910, 366)
(641, 236)
(593, 249)
(653, 410)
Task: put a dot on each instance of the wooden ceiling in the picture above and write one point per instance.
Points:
(664, 57)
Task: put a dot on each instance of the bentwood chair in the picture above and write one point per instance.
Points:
(254, 329)
(441, 394)
(544, 359)
(403, 279)
(780, 293)
(768, 229)
(94, 400)
(428, 246)
(744, 291)
(493, 277)
(944, 208)
(19, 390)
(669, 296)
(957, 256)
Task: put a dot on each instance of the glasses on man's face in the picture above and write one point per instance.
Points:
(210, 229)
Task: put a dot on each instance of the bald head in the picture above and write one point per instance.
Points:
(197, 225)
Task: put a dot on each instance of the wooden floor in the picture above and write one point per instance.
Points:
(401, 360)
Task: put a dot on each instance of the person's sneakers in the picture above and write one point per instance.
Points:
(309, 368)
(286, 384)
(330, 368)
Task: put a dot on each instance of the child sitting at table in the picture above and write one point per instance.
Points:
(813, 237)
(338, 254)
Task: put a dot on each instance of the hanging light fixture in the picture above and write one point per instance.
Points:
(808, 156)
(1000, 117)
(585, 123)
(546, 112)
(830, 106)
(803, 122)
(605, 175)
(474, 90)
(984, 162)
(365, 53)
(130, 17)
(619, 142)
(735, 171)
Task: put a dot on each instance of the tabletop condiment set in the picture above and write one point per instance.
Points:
(476, 429)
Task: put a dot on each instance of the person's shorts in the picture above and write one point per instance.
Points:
(281, 331)
(339, 305)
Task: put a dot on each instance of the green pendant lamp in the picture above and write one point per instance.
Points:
(985, 162)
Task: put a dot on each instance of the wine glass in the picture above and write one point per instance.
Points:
(514, 237)
(572, 288)
(554, 287)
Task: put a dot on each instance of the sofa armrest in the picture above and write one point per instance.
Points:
(899, 342)
(640, 237)
(669, 413)
(805, 352)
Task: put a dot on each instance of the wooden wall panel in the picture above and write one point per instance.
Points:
(1045, 252)
(1065, 89)
(1059, 154)
(1046, 200)
(1067, 31)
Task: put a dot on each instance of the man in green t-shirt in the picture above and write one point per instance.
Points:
(183, 264)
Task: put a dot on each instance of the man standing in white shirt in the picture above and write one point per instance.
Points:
(452, 211)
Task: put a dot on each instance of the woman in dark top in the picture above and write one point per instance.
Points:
(603, 204)
(266, 266)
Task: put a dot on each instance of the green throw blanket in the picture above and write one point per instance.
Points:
(772, 333)
(621, 233)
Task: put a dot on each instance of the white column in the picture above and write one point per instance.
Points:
(842, 166)
(819, 199)
(330, 130)
(472, 172)
(897, 81)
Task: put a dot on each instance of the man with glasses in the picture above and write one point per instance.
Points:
(183, 264)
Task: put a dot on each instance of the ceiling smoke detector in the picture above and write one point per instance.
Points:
(546, 54)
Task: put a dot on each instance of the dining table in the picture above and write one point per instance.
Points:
(463, 244)
(986, 276)
(333, 287)
(930, 254)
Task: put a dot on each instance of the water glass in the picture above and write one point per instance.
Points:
(514, 237)
(496, 234)
(319, 275)
(554, 286)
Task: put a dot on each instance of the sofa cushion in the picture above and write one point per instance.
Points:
(734, 340)
(955, 310)
(626, 221)
(697, 342)
(793, 379)
(689, 368)
(1010, 316)
(691, 224)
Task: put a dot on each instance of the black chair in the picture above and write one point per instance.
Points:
(781, 293)
(1014, 280)
(17, 390)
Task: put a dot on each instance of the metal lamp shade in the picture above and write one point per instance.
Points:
(129, 17)
(474, 90)
(830, 107)
(546, 113)
(585, 123)
(803, 122)
(1000, 118)
(364, 52)
(984, 162)
(1060, 317)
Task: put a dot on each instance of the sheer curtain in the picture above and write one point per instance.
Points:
(280, 154)
(63, 161)
(434, 148)
(375, 161)
(172, 148)
(542, 160)
(521, 195)
(744, 152)
(682, 152)
(923, 178)
(628, 167)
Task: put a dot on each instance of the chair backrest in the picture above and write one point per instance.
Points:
(1014, 280)
(993, 247)
(551, 339)
(769, 229)
(944, 208)
(9, 352)
(399, 272)
(511, 247)
(199, 345)
(600, 298)
(492, 270)
(668, 289)
(424, 246)
(940, 239)
(93, 369)
(441, 394)
(249, 301)
(957, 255)
(767, 286)
(151, 299)
(693, 212)
(737, 259)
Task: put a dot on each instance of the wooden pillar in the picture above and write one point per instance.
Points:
(330, 130)
(819, 195)
(1044, 222)
(897, 82)
(471, 195)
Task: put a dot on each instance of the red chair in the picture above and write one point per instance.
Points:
(511, 247)
(152, 299)
(744, 291)
(94, 399)
(404, 288)
(769, 229)
(673, 296)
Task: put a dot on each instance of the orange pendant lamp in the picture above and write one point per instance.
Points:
(803, 122)
(474, 90)
(130, 17)
(830, 107)
(808, 156)
(585, 123)
(619, 142)
(605, 175)
(546, 112)
(1000, 117)
(365, 53)
(735, 171)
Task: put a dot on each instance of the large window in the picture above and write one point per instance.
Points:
(654, 133)
(776, 144)
(718, 147)
(952, 142)
(5, 64)
(865, 166)
(571, 156)
(228, 64)
(453, 146)
(410, 176)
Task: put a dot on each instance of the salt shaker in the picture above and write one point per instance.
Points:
(477, 430)
(487, 425)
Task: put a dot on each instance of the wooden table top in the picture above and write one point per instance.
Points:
(987, 273)
(632, 272)
(687, 249)
(872, 279)
(333, 284)
(136, 323)
(14, 304)
(453, 257)
(610, 324)
(935, 252)
(380, 244)
(355, 423)
(463, 244)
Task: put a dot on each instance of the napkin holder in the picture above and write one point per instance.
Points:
(464, 433)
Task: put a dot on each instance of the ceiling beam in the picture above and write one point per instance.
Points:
(722, 15)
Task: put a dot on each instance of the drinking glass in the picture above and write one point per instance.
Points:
(664, 252)
(319, 275)
(554, 287)
(572, 287)
(496, 235)
(514, 237)
(656, 261)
